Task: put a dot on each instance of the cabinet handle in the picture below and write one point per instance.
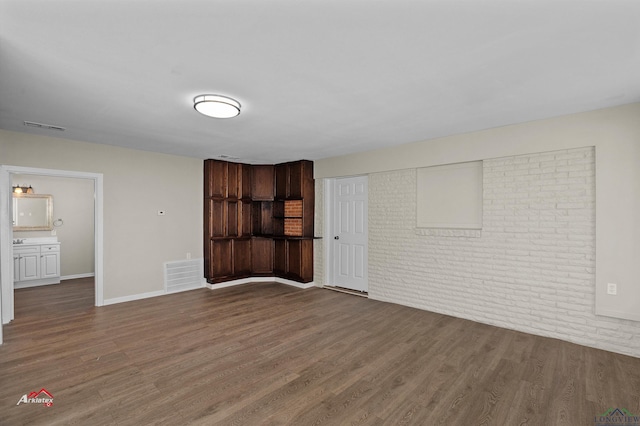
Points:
(337, 237)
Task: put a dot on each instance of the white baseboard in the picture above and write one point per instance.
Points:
(133, 297)
(76, 276)
(150, 294)
(260, 280)
(36, 283)
(295, 283)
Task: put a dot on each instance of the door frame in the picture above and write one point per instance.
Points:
(327, 235)
(6, 236)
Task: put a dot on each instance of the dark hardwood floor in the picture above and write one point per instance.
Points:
(266, 354)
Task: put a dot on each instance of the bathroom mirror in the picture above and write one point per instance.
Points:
(32, 212)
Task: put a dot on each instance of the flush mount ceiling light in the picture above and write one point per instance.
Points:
(216, 106)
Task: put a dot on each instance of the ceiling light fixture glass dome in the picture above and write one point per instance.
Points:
(216, 106)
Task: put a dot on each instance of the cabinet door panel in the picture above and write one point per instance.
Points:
(50, 265)
(262, 255)
(245, 176)
(282, 181)
(306, 261)
(221, 261)
(232, 180)
(295, 258)
(245, 218)
(216, 218)
(215, 173)
(29, 267)
(280, 257)
(16, 268)
(262, 185)
(295, 180)
(241, 257)
(300, 260)
(232, 219)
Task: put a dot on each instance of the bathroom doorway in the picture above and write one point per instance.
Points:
(6, 237)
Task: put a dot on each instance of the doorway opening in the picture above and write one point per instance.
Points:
(6, 237)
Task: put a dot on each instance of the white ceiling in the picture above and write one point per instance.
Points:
(316, 78)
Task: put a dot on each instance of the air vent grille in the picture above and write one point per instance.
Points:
(182, 275)
(44, 126)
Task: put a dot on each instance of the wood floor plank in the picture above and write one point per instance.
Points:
(270, 354)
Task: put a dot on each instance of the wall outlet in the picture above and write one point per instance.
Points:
(612, 289)
(188, 256)
(161, 212)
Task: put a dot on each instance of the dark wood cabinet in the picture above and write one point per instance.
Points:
(215, 218)
(262, 256)
(262, 223)
(262, 182)
(293, 259)
(215, 180)
(282, 181)
(300, 259)
(241, 257)
(221, 259)
(280, 257)
(249, 229)
(245, 218)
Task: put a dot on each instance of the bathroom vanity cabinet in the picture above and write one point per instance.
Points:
(36, 264)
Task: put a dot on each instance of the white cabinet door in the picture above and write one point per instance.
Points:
(50, 265)
(16, 267)
(29, 266)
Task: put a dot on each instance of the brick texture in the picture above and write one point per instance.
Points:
(532, 268)
(293, 218)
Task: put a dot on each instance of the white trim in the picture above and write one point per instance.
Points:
(6, 234)
(617, 314)
(224, 284)
(295, 283)
(36, 283)
(133, 297)
(260, 280)
(76, 276)
(327, 223)
(150, 294)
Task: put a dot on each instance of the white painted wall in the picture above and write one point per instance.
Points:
(136, 185)
(73, 201)
(615, 134)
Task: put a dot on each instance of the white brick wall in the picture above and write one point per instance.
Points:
(533, 267)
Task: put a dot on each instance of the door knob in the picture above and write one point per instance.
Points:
(337, 237)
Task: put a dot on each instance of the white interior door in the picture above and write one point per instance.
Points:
(350, 234)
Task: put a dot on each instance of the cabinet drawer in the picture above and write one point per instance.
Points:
(26, 249)
(49, 247)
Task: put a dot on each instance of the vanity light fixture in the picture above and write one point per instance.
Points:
(216, 106)
(22, 189)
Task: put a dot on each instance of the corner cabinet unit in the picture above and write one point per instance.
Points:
(258, 220)
(36, 264)
(227, 220)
